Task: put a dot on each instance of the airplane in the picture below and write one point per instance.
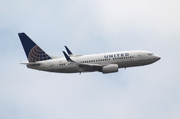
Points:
(103, 62)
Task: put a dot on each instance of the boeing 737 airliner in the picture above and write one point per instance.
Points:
(70, 63)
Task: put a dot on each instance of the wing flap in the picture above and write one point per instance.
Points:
(90, 67)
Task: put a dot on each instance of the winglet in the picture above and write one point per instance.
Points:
(67, 57)
(68, 51)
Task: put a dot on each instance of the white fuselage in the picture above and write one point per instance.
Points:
(123, 59)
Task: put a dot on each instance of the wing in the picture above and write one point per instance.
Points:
(84, 67)
(89, 67)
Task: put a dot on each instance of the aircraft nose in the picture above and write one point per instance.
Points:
(157, 57)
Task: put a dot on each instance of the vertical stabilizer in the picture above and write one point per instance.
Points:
(33, 52)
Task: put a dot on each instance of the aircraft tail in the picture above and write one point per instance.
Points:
(33, 52)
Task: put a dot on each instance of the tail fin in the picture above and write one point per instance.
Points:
(33, 52)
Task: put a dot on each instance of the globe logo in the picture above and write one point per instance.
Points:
(37, 54)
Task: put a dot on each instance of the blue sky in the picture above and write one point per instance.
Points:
(89, 27)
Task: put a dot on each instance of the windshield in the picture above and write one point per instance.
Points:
(150, 54)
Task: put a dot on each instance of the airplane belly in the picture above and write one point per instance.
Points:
(128, 64)
(135, 63)
(67, 69)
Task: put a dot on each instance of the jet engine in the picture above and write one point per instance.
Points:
(110, 68)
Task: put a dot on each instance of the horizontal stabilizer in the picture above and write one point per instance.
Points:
(31, 63)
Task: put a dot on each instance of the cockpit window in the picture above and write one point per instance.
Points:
(150, 54)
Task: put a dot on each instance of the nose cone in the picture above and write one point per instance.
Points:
(157, 58)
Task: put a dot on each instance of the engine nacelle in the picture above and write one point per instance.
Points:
(110, 68)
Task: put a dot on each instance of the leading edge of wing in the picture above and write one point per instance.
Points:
(86, 66)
